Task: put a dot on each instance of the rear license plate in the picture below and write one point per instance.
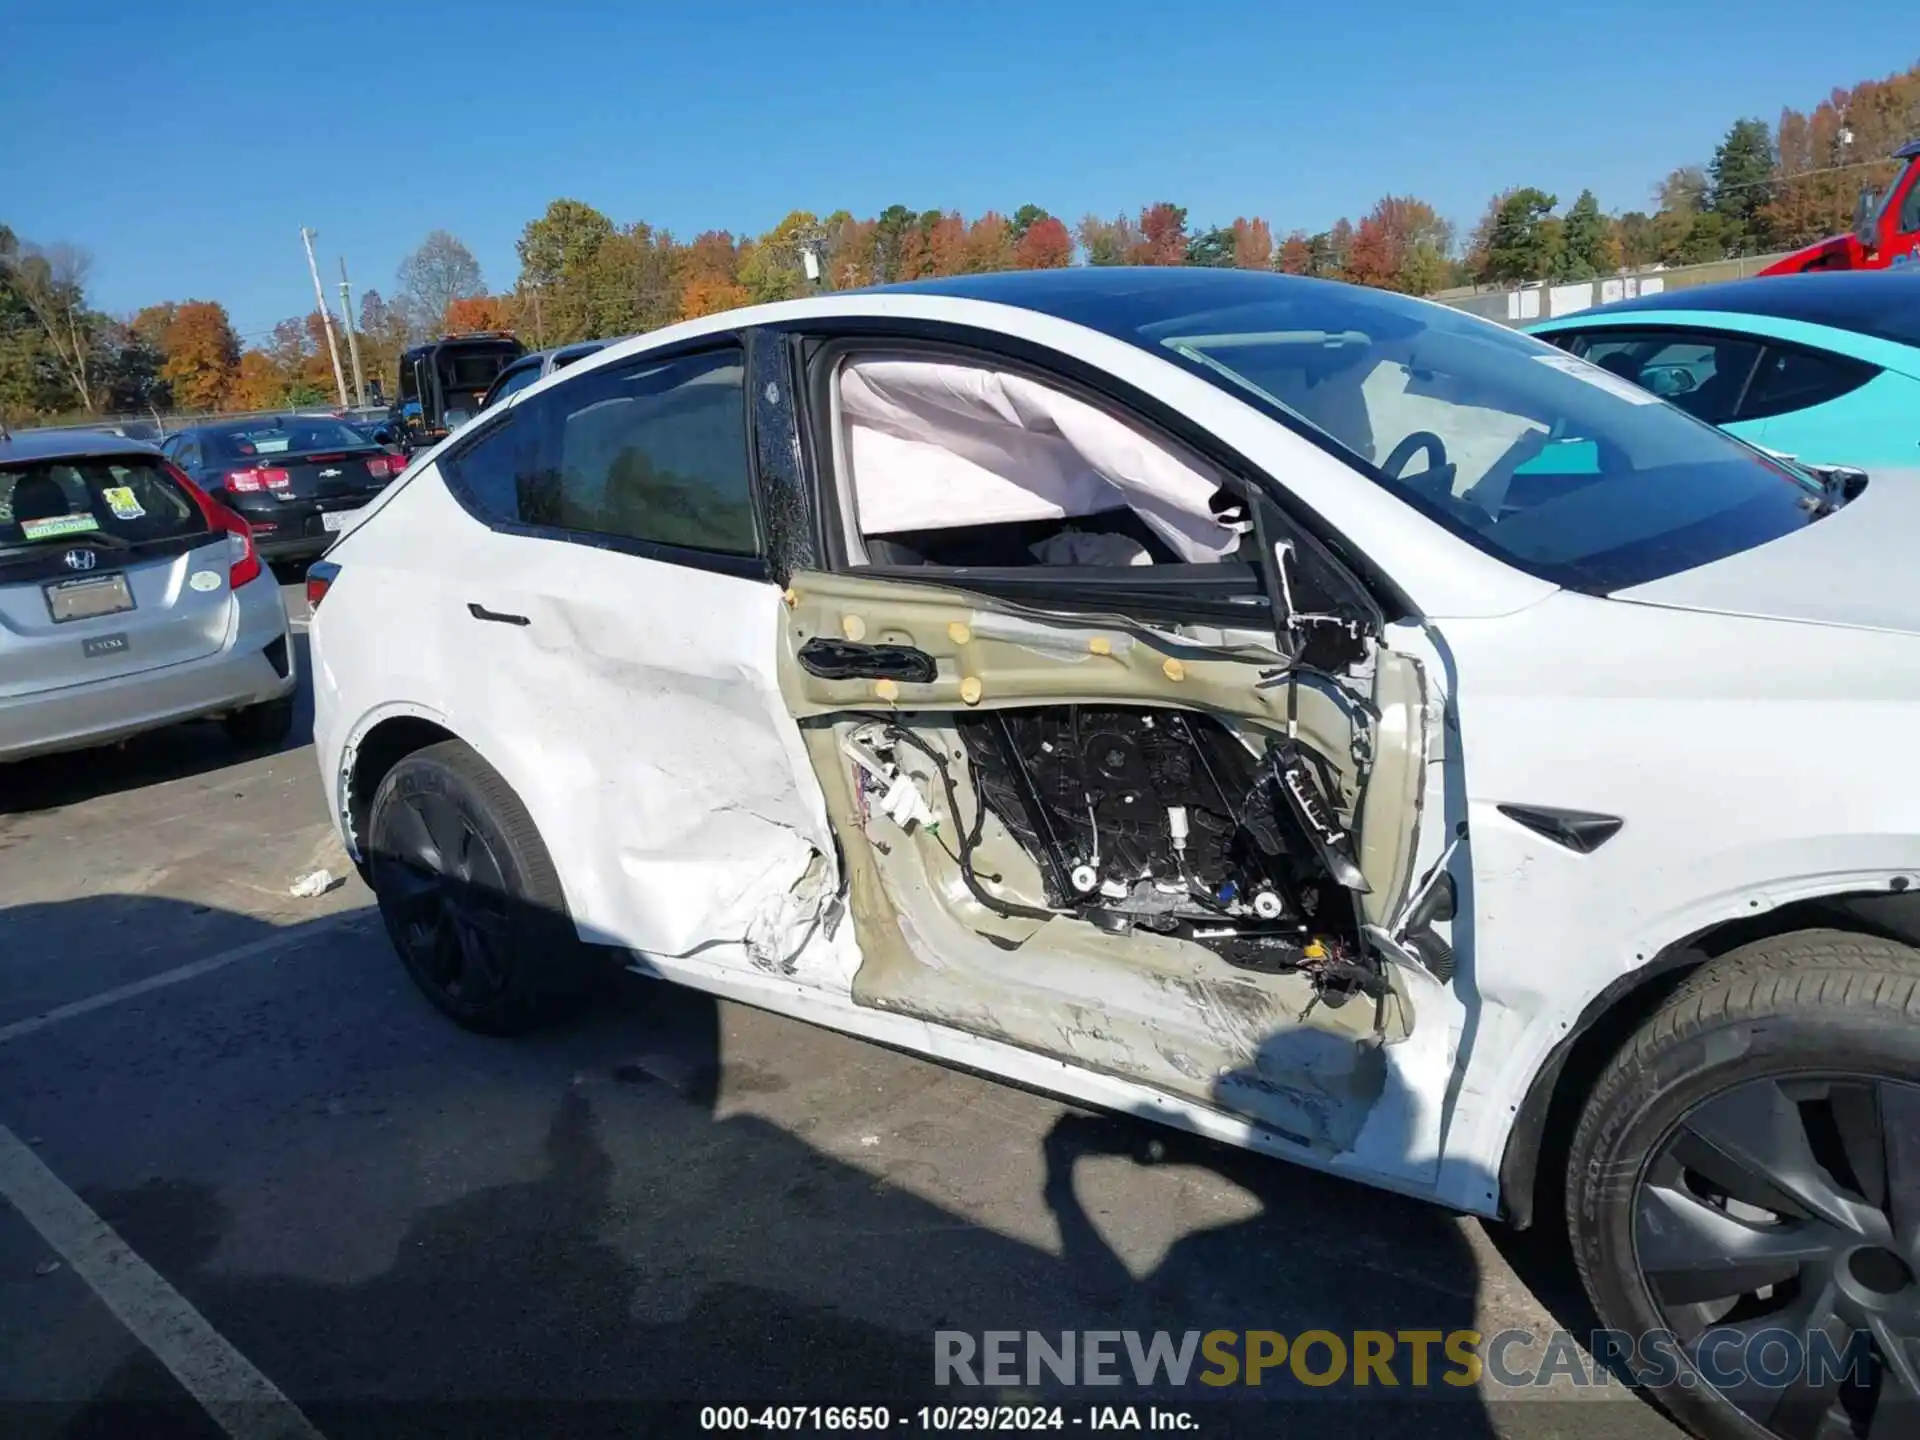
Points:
(333, 521)
(84, 599)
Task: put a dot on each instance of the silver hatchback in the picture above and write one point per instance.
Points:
(129, 599)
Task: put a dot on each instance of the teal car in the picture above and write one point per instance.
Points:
(1821, 367)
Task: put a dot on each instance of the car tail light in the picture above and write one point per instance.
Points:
(385, 467)
(243, 560)
(260, 478)
(320, 577)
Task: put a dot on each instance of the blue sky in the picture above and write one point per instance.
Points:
(185, 144)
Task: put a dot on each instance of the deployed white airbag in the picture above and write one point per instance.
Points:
(935, 445)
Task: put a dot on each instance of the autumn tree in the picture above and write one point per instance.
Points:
(1024, 219)
(709, 294)
(1296, 255)
(1106, 242)
(774, 267)
(440, 272)
(258, 383)
(1252, 244)
(202, 354)
(1163, 236)
(1825, 156)
(1044, 245)
(480, 312)
(988, 246)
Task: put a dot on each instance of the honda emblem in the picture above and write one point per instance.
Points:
(79, 559)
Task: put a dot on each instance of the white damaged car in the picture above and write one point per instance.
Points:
(1296, 713)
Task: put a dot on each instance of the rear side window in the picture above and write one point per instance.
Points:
(1792, 379)
(114, 502)
(1701, 371)
(654, 452)
(490, 468)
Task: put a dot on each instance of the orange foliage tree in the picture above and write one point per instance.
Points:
(201, 354)
(1045, 246)
(479, 312)
(710, 294)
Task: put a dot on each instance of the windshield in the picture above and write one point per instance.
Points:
(293, 435)
(1561, 468)
(474, 369)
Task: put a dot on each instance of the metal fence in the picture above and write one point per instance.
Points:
(154, 428)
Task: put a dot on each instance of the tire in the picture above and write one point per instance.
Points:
(1753, 1144)
(470, 896)
(259, 726)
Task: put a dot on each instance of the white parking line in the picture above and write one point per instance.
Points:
(241, 1400)
(280, 939)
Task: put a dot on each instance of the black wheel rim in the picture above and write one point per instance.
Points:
(1790, 1207)
(445, 897)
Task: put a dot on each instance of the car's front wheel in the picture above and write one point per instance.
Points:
(470, 896)
(1744, 1192)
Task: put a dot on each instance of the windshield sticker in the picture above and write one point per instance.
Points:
(58, 525)
(122, 501)
(1598, 378)
(271, 445)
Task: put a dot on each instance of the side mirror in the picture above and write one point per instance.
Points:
(1667, 381)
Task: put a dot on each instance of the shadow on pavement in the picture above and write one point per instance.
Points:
(672, 1251)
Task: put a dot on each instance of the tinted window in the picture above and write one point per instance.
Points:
(1702, 372)
(489, 468)
(515, 381)
(1792, 379)
(1556, 466)
(654, 452)
(473, 369)
(120, 501)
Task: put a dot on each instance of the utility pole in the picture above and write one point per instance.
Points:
(326, 317)
(539, 330)
(353, 336)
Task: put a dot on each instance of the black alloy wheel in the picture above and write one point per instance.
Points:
(470, 896)
(447, 897)
(1782, 1212)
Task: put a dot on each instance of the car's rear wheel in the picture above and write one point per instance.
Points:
(470, 896)
(259, 726)
(1746, 1180)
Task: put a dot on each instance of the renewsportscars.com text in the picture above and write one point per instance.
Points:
(1413, 1359)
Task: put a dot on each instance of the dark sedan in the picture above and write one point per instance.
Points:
(295, 478)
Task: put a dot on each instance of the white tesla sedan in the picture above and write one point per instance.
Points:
(1299, 714)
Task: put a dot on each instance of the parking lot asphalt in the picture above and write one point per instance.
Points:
(254, 1185)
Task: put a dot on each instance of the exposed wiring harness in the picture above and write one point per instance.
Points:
(968, 837)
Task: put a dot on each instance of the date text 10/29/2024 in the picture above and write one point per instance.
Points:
(811, 1419)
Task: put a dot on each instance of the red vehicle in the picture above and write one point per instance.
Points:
(1886, 229)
